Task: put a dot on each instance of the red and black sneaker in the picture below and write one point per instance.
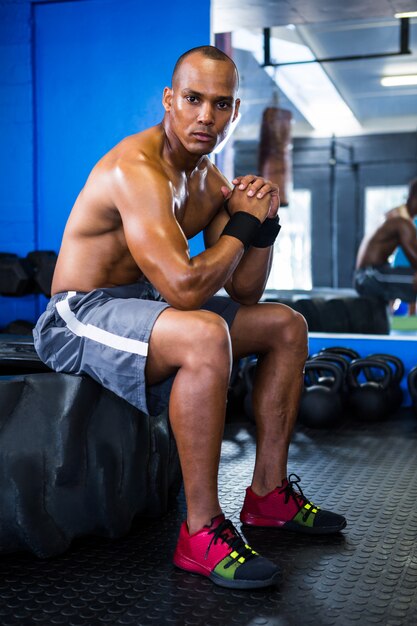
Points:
(287, 508)
(219, 552)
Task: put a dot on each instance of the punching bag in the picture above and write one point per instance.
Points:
(275, 162)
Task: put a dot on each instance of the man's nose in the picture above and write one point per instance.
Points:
(206, 114)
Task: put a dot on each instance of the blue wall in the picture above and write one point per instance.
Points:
(16, 148)
(76, 78)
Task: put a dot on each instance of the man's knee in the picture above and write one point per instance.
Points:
(208, 340)
(291, 330)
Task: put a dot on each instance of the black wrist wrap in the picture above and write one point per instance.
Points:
(267, 233)
(243, 226)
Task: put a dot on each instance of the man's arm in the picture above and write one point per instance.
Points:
(247, 283)
(145, 198)
(408, 241)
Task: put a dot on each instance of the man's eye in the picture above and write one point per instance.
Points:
(223, 105)
(192, 99)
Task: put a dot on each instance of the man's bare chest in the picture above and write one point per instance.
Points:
(195, 210)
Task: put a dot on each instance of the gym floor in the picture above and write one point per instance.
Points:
(365, 575)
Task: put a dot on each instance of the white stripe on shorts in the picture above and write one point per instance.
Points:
(393, 278)
(134, 346)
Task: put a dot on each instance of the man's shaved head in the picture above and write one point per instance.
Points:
(209, 52)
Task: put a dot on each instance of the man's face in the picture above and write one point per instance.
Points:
(201, 103)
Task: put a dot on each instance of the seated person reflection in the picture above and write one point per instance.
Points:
(374, 276)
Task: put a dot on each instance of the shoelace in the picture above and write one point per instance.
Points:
(227, 533)
(298, 496)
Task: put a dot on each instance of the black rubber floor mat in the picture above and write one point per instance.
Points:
(365, 575)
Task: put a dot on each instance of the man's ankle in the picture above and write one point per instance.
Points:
(263, 487)
(197, 522)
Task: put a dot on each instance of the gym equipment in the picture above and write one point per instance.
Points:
(338, 360)
(367, 316)
(77, 460)
(334, 316)
(368, 380)
(18, 327)
(412, 386)
(275, 146)
(15, 277)
(18, 356)
(311, 309)
(347, 353)
(248, 374)
(395, 393)
(325, 312)
(43, 263)
(321, 404)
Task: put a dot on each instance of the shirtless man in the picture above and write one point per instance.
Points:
(125, 242)
(374, 276)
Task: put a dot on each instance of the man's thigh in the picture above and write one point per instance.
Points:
(388, 283)
(177, 334)
(104, 334)
(257, 327)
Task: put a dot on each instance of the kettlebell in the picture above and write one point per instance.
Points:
(347, 353)
(320, 403)
(412, 386)
(338, 360)
(395, 393)
(368, 397)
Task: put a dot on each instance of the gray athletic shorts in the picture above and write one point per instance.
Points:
(105, 333)
(386, 282)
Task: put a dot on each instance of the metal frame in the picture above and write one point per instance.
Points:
(404, 49)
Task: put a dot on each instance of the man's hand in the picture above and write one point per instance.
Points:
(255, 186)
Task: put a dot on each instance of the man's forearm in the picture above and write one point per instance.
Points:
(249, 279)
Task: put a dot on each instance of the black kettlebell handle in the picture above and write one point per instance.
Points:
(343, 351)
(412, 383)
(318, 367)
(359, 365)
(398, 372)
(332, 358)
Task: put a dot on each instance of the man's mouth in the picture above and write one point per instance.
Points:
(203, 136)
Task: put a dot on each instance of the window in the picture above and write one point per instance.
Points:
(379, 200)
(291, 268)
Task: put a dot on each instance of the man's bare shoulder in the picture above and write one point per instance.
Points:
(393, 227)
(400, 222)
(399, 211)
(136, 154)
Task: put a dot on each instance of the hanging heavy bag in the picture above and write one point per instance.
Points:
(320, 404)
(275, 161)
(368, 380)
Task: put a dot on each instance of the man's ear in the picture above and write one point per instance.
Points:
(237, 105)
(167, 98)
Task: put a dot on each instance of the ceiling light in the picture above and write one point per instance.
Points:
(398, 81)
(406, 14)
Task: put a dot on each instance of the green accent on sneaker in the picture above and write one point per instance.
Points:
(303, 519)
(227, 568)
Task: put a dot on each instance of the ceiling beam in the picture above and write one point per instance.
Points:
(403, 49)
